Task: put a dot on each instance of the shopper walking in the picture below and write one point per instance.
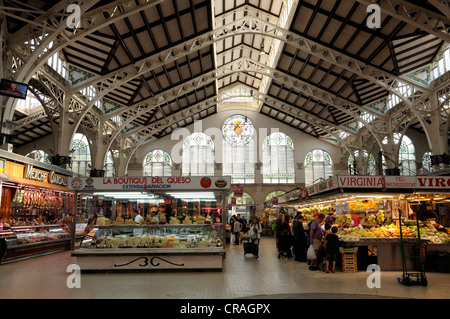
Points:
(315, 234)
(278, 226)
(300, 238)
(285, 244)
(237, 228)
(255, 236)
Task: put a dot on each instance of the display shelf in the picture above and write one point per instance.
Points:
(31, 241)
(160, 247)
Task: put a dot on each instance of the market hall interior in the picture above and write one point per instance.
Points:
(242, 277)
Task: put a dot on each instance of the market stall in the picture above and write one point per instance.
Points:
(368, 210)
(157, 223)
(35, 213)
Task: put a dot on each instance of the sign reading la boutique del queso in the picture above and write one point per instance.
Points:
(150, 183)
(44, 176)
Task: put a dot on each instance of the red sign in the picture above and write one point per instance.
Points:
(238, 190)
(167, 201)
(433, 182)
(386, 182)
(303, 193)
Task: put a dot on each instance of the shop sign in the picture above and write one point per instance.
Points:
(342, 209)
(400, 181)
(238, 190)
(391, 182)
(441, 182)
(149, 183)
(34, 174)
(303, 193)
(361, 181)
(44, 176)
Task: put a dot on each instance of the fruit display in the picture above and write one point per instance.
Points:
(344, 218)
(363, 205)
(372, 219)
(380, 216)
(315, 209)
(427, 232)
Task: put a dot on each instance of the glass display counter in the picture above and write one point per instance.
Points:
(152, 248)
(30, 241)
(155, 236)
(150, 223)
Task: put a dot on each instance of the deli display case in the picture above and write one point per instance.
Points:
(155, 236)
(23, 242)
(151, 224)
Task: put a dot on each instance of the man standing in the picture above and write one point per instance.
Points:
(139, 218)
(237, 227)
(315, 234)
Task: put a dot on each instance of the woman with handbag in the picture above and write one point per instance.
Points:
(255, 235)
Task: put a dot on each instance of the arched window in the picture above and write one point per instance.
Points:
(274, 194)
(239, 149)
(198, 155)
(426, 162)
(81, 155)
(158, 163)
(406, 156)
(369, 164)
(278, 159)
(318, 164)
(109, 166)
(242, 207)
(40, 156)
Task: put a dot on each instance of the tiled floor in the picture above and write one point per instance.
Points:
(242, 277)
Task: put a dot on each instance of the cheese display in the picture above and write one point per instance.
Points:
(173, 235)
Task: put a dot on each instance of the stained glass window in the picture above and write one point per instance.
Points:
(239, 151)
(318, 164)
(406, 156)
(238, 130)
(81, 155)
(109, 166)
(158, 163)
(198, 155)
(278, 159)
(368, 168)
(41, 156)
(274, 194)
(426, 162)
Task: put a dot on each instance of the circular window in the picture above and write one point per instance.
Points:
(238, 130)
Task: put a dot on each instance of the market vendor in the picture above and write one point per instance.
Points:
(330, 218)
(355, 221)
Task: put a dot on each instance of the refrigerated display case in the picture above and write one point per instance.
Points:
(178, 229)
(31, 241)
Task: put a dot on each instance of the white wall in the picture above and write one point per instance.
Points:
(303, 143)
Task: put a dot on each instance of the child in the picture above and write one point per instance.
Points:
(332, 249)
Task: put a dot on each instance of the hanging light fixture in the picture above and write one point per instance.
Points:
(261, 52)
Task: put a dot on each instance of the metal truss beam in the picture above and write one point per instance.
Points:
(237, 66)
(90, 21)
(419, 17)
(442, 5)
(252, 25)
(162, 124)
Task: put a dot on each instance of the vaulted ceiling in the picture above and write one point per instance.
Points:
(173, 59)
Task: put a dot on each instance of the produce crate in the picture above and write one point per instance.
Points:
(349, 260)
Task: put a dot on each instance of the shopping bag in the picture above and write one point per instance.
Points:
(311, 254)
